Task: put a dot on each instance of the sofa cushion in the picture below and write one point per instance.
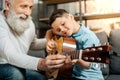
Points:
(105, 69)
(113, 77)
(114, 40)
(114, 63)
(103, 37)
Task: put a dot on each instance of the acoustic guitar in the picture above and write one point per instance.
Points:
(67, 46)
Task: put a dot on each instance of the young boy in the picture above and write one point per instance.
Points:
(64, 24)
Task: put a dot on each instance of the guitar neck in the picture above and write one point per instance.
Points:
(76, 54)
(94, 54)
(67, 46)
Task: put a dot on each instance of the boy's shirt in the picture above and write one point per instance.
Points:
(86, 38)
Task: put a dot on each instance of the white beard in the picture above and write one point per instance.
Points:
(16, 24)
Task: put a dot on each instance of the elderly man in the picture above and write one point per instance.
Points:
(17, 35)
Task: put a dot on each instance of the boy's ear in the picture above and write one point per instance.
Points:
(70, 16)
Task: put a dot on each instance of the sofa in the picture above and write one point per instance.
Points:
(110, 71)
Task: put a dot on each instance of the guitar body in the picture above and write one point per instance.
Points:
(65, 72)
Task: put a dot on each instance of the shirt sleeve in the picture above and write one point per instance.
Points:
(38, 43)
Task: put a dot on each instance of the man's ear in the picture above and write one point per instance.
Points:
(7, 5)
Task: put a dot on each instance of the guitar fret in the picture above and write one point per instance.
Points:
(91, 55)
(75, 54)
(71, 54)
(80, 54)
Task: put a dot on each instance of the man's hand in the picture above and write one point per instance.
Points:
(51, 62)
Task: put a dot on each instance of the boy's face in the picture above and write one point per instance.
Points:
(63, 25)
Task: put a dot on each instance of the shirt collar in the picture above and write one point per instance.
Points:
(80, 31)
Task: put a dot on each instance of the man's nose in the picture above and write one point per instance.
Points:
(28, 12)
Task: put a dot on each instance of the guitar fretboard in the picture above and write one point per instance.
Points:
(76, 54)
(92, 54)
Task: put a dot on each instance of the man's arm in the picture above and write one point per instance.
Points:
(12, 55)
(38, 44)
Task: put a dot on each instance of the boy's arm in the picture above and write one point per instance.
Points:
(50, 44)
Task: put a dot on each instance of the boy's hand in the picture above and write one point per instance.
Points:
(51, 46)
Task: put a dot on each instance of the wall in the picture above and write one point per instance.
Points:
(101, 7)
